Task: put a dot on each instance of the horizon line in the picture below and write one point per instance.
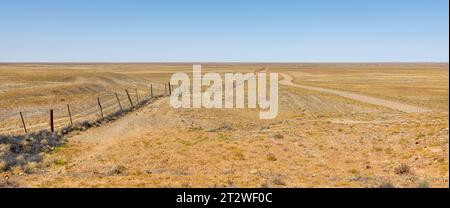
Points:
(225, 62)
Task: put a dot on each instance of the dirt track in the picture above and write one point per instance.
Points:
(306, 146)
(287, 80)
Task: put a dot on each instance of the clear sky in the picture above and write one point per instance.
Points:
(224, 30)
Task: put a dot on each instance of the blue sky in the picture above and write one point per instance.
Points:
(232, 30)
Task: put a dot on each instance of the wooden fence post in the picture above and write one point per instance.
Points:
(52, 126)
(23, 123)
(118, 101)
(100, 105)
(170, 89)
(129, 98)
(165, 88)
(137, 95)
(151, 90)
(70, 115)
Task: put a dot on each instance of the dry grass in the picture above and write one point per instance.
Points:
(318, 139)
(425, 85)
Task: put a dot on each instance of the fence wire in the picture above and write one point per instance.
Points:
(85, 110)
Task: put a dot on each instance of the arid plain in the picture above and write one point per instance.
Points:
(339, 125)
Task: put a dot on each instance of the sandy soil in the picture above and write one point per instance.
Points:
(321, 138)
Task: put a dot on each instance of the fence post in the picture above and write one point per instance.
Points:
(129, 98)
(52, 127)
(170, 90)
(100, 105)
(70, 115)
(151, 90)
(165, 88)
(23, 123)
(137, 95)
(118, 101)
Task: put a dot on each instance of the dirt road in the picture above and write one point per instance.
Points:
(287, 80)
(159, 146)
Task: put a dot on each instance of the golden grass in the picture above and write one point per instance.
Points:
(318, 139)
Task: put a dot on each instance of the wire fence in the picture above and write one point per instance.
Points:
(68, 114)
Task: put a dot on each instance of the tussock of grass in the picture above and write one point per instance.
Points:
(402, 169)
(22, 151)
(271, 157)
(423, 184)
(18, 151)
(115, 170)
(386, 184)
